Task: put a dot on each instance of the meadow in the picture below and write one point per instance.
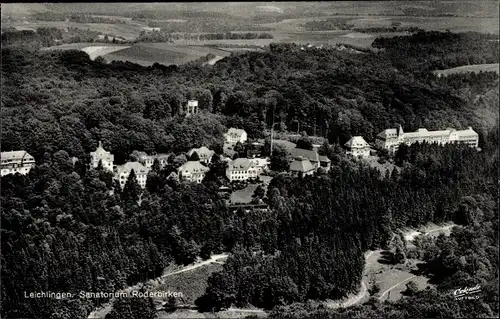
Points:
(476, 68)
(164, 53)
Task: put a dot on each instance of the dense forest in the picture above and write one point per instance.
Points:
(352, 209)
(68, 228)
(164, 36)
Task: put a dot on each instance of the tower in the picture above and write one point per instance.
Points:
(191, 107)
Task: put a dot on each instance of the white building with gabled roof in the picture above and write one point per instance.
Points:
(192, 171)
(204, 154)
(242, 169)
(357, 146)
(16, 162)
(100, 154)
(122, 173)
(235, 135)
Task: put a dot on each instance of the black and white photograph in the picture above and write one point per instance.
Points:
(279, 160)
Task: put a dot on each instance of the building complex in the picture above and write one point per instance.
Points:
(390, 139)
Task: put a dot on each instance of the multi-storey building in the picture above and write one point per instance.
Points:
(204, 154)
(242, 169)
(390, 139)
(302, 167)
(357, 146)
(192, 171)
(122, 173)
(148, 160)
(102, 155)
(16, 162)
(235, 135)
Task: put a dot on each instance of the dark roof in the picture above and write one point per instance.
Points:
(301, 165)
(310, 155)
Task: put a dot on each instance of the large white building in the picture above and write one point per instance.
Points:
(390, 139)
(102, 155)
(122, 173)
(235, 135)
(16, 162)
(357, 146)
(192, 171)
(242, 169)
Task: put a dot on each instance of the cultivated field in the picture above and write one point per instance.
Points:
(164, 53)
(476, 68)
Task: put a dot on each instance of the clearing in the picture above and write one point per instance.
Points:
(243, 195)
(164, 53)
(476, 68)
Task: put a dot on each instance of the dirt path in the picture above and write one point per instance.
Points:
(394, 286)
(363, 292)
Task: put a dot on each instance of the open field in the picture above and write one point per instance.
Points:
(164, 53)
(192, 283)
(476, 68)
(127, 31)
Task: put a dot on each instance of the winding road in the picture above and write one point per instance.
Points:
(363, 292)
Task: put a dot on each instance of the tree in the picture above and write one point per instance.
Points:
(279, 159)
(134, 307)
(131, 190)
(259, 192)
(194, 157)
(305, 143)
(156, 166)
(411, 288)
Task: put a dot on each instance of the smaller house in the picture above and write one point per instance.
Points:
(241, 169)
(357, 147)
(123, 171)
(192, 171)
(204, 154)
(235, 135)
(302, 167)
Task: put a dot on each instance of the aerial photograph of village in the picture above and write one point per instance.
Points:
(333, 159)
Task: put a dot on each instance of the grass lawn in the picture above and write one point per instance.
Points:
(244, 195)
(392, 277)
(191, 283)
